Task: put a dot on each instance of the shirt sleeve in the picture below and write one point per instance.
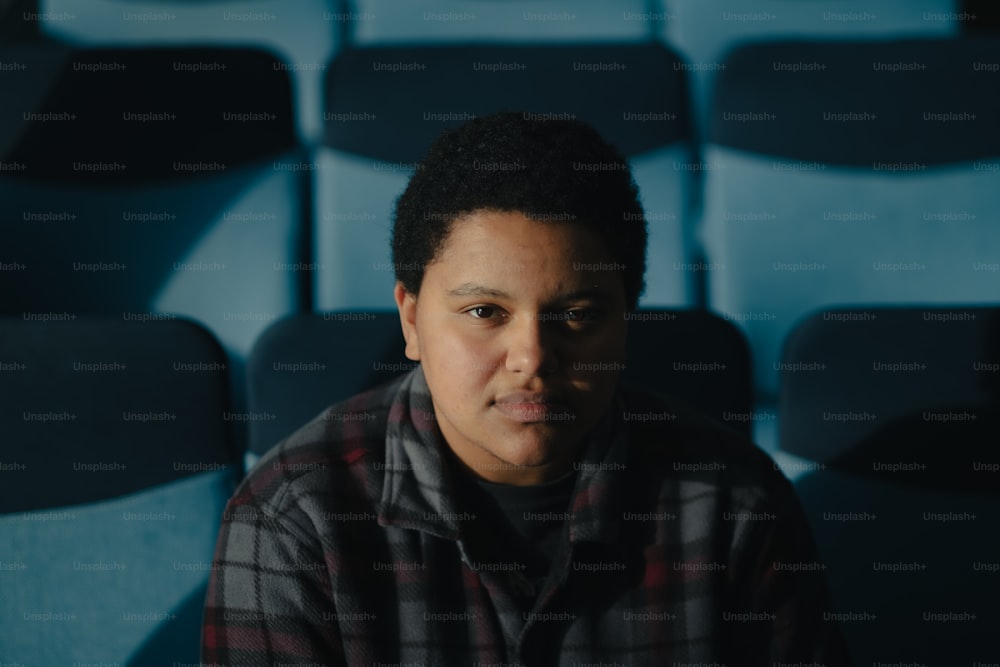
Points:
(778, 611)
(269, 600)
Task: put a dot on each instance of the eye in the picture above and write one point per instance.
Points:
(483, 312)
(581, 315)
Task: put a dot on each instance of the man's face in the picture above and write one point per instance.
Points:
(520, 329)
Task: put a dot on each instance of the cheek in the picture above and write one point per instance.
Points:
(461, 363)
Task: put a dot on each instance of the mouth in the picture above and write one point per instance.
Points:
(533, 407)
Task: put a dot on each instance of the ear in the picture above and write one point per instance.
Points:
(407, 305)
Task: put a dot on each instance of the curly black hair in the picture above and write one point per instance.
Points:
(549, 169)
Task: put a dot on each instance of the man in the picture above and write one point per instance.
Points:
(504, 503)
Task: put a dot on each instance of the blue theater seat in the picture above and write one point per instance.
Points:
(850, 173)
(889, 423)
(305, 363)
(118, 458)
(152, 180)
(385, 105)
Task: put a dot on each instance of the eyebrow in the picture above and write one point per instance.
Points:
(474, 289)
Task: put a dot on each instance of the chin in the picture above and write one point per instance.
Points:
(529, 449)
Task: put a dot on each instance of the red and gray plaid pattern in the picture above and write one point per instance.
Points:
(346, 546)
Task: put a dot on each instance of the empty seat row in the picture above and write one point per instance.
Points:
(849, 377)
(307, 33)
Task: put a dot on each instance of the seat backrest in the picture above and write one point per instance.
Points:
(696, 357)
(303, 35)
(96, 408)
(851, 377)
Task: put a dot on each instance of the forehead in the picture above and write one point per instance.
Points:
(507, 253)
(506, 232)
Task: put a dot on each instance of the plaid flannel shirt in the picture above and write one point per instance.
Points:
(683, 545)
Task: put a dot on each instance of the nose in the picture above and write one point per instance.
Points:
(530, 349)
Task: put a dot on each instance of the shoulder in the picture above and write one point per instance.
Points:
(330, 457)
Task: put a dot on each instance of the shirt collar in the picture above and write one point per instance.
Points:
(417, 492)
